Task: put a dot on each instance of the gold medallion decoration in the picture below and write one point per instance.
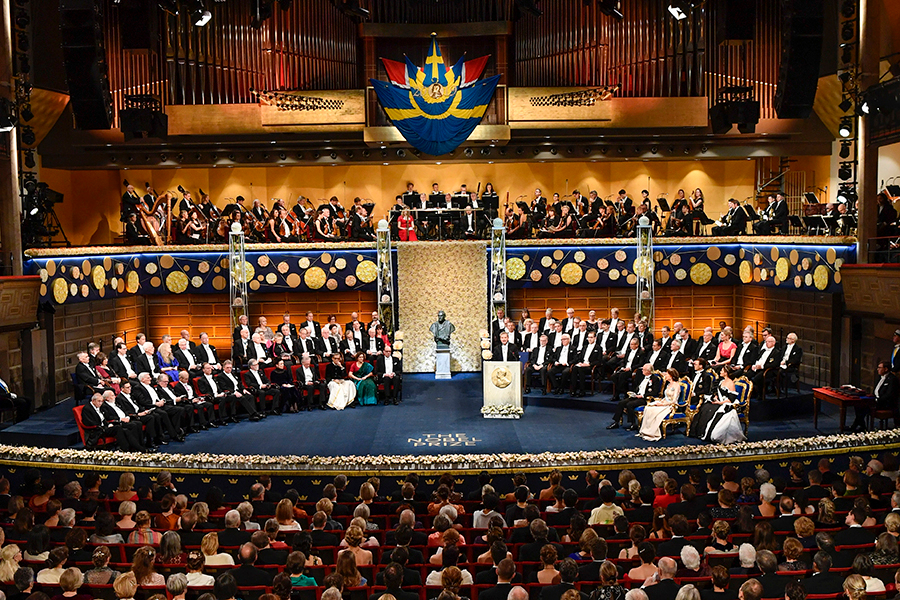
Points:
(76, 273)
(794, 256)
(554, 279)
(137, 263)
(271, 278)
(43, 289)
(85, 290)
(764, 274)
(102, 292)
(838, 262)
(86, 266)
(621, 256)
(830, 255)
(303, 263)
(176, 282)
(526, 257)
(774, 253)
(837, 277)
(120, 269)
(602, 264)
(51, 268)
(741, 253)
(713, 253)
(722, 272)
(120, 286)
(254, 285)
(196, 281)
(203, 267)
(486, 344)
(730, 259)
(571, 274)
(662, 277)
(746, 272)
(283, 268)
(166, 261)
(782, 268)
(558, 255)
(366, 272)
(243, 274)
(631, 279)
(44, 275)
(798, 281)
(579, 256)
(501, 377)
(331, 284)
(805, 264)
(151, 268)
(223, 263)
(592, 275)
(325, 258)
(263, 261)
(350, 280)
(98, 277)
(132, 282)
(60, 290)
(515, 268)
(218, 282)
(808, 279)
(757, 259)
(314, 278)
(156, 281)
(107, 263)
(820, 277)
(293, 280)
(680, 274)
(701, 273)
(73, 289)
(536, 275)
(614, 275)
(340, 263)
(658, 256)
(546, 261)
(776, 280)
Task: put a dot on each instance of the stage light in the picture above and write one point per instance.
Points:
(26, 113)
(469, 152)
(28, 136)
(611, 8)
(680, 9)
(29, 159)
(283, 156)
(848, 9)
(845, 170)
(846, 53)
(201, 17)
(848, 31)
(845, 105)
(845, 149)
(22, 41)
(22, 19)
(845, 129)
(8, 119)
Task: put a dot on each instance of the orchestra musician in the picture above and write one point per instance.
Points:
(259, 212)
(624, 209)
(489, 199)
(775, 216)
(734, 222)
(278, 229)
(186, 204)
(538, 208)
(130, 202)
(407, 226)
(697, 213)
(323, 230)
(193, 229)
(675, 225)
(134, 233)
(559, 227)
(360, 228)
(517, 226)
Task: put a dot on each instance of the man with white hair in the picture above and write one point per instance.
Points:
(232, 534)
(99, 426)
(791, 357)
(148, 361)
(257, 351)
(747, 556)
(662, 586)
(636, 594)
(186, 359)
(148, 398)
(88, 378)
(66, 522)
(518, 593)
(766, 359)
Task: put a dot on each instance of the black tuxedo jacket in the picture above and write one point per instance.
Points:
(542, 325)
(250, 382)
(320, 537)
(498, 592)
(225, 384)
(109, 414)
(566, 329)
(515, 337)
(279, 349)
(594, 357)
(679, 363)
(638, 362)
(555, 592)
(662, 359)
(689, 348)
(86, 378)
(889, 393)
(526, 340)
(666, 589)
(709, 352)
(206, 389)
(301, 375)
(379, 366)
(247, 575)
(780, 214)
(308, 345)
(236, 334)
(128, 407)
(737, 226)
(239, 350)
(645, 340)
(95, 425)
(183, 362)
(316, 329)
(794, 358)
(180, 389)
(230, 537)
(379, 345)
(750, 355)
(292, 328)
(142, 365)
(666, 344)
(142, 397)
(823, 583)
(118, 367)
(202, 355)
(512, 352)
(345, 348)
(489, 577)
(549, 355)
(253, 353)
(773, 585)
(133, 353)
(854, 536)
(622, 339)
(329, 346)
(773, 360)
(654, 388)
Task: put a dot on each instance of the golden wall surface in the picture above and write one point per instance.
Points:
(448, 276)
(100, 191)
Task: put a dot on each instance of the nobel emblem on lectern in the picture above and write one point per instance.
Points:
(501, 377)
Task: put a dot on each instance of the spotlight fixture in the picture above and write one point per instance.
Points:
(366, 153)
(469, 152)
(520, 150)
(845, 129)
(845, 105)
(28, 136)
(163, 158)
(401, 153)
(333, 155)
(845, 149)
(845, 170)
(231, 157)
(847, 194)
(485, 151)
(29, 159)
(169, 6)
(22, 19)
(654, 149)
(680, 9)
(848, 9)
(201, 17)
(198, 157)
(586, 150)
(846, 53)
(848, 30)
(554, 151)
(25, 112)
(611, 8)
(282, 156)
(179, 157)
(604, 150)
(316, 154)
(265, 156)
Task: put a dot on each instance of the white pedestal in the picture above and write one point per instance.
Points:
(442, 364)
(502, 383)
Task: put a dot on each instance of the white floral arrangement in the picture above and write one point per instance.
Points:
(507, 411)
(876, 441)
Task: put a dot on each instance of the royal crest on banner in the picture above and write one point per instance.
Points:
(435, 108)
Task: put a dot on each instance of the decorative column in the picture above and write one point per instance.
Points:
(644, 270)
(237, 282)
(497, 287)
(10, 202)
(386, 312)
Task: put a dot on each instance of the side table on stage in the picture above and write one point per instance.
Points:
(842, 398)
(502, 382)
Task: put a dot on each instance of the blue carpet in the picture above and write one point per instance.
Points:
(440, 417)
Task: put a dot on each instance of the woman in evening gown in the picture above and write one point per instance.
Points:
(656, 411)
(718, 421)
(341, 391)
(363, 375)
(702, 382)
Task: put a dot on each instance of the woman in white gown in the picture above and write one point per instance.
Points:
(725, 425)
(655, 412)
(341, 390)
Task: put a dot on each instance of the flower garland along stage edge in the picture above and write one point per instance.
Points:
(502, 411)
(207, 462)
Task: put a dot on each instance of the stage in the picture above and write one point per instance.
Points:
(438, 419)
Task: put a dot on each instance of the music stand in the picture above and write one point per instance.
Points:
(434, 200)
(663, 205)
(794, 221)
(751, 213)
(817, 223)
(893, 190)
(811, 198)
